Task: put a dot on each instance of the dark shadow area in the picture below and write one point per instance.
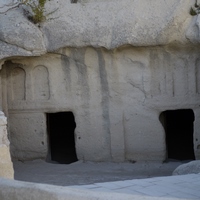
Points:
(178, 125)
(61, 128)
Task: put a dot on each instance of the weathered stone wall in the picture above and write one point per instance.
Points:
(116, 94)
(116, 97)
(6, 168)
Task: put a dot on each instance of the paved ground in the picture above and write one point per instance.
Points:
(172, 187)
(80, 173)
(140, 180)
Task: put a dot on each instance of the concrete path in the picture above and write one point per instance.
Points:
(171, 187)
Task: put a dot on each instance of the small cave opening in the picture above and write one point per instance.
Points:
(61, 137)
(178, 125)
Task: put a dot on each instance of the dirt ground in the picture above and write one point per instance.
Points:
(80, 173)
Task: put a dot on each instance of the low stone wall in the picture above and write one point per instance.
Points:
(17, 190)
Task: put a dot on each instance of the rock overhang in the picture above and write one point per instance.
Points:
(108, 24)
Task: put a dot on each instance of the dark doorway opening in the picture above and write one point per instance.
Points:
(178, 125)
(61, 128)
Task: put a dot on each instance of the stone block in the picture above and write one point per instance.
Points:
(6, 167)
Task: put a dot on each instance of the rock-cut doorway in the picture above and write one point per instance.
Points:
(61, 128)
(178, 125)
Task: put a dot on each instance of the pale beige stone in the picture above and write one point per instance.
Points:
(147, 61)
(97, 23)
(6, 168)
(116, 97)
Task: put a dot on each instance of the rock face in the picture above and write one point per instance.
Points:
(108, 24)
(112, 24)
(6, 5)
(188, 168)
(117, 98)
(116, 65)
(6, 169)
(18, 36)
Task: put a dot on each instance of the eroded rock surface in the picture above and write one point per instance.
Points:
(6, 169)
(108, 24)
(188, 168)
(18, 36)
(151, 64)
(6, 5)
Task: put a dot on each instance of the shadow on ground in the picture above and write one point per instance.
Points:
(80, 173)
